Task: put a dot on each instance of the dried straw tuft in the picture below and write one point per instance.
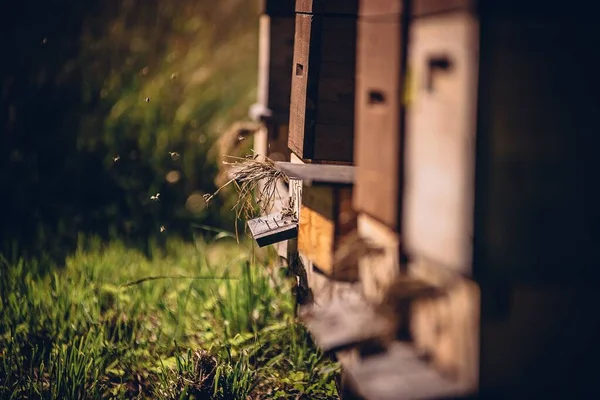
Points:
(255, 178)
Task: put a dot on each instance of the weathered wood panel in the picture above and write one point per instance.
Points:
(438, 204)
(322, 97)
(378, 150)
(272, 228)
(326, 217)
(318, 174)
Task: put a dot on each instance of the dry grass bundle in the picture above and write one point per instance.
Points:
(255, 178)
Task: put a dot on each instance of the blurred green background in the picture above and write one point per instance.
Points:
(104, 103)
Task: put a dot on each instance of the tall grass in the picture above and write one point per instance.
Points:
(196, 321)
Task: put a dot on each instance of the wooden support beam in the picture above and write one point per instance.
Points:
(315, 174)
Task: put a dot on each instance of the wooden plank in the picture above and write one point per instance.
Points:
(315, 174)
(348, 7)
(378, 151)
(439, 157)
(302, 107)
(343, 323)
(316, 238)
(398, 373)
(272, 228)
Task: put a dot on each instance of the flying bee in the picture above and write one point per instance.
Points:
(156, 197)
(116, 158)
(174, 155)
(162, 228)
(147, 99)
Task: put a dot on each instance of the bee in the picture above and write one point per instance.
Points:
(147, 99)
(116, 158)
(156, 197)
(162, 228)
(174, 155)
(173, 75)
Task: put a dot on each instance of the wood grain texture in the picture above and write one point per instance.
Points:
(323, 81)
(301, 106)
(378, 151)
(272, 228)
(316, 238)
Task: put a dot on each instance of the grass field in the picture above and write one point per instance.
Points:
(216, 323)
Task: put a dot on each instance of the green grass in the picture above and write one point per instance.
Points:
(202, 320)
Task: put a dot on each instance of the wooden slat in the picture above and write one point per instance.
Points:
(378, 151)
(316, 174)
(349, 7)
(272, 228)
(302, 107)
(398, 373)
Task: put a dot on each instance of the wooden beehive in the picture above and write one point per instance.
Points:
(491, 118)
(322, 97)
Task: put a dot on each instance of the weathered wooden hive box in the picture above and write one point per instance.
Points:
(322, 98)
(466, 130)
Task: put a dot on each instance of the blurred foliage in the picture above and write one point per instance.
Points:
(100, 100)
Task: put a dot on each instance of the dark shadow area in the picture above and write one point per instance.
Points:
(104, 104)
